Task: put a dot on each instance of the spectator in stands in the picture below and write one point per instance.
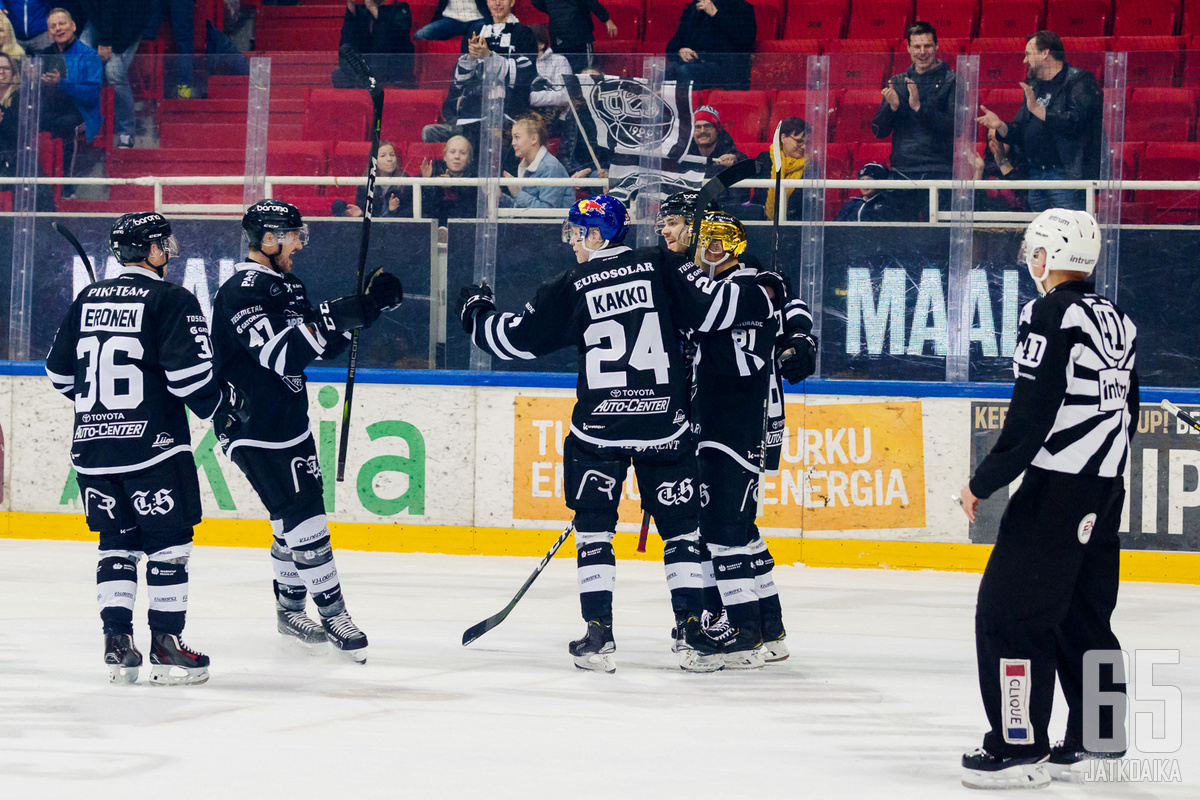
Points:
(571, 27)
(1000, 161)
(71, 76)
(793, 147)
(28, 18)
(115, 29)
(548, 95)
(10, 106)
(529, 144)
(712, 45)
(450, 202)
(455, 18)
(917, 111)
(1058, 129)
(873, 205)
(503, 38)
(9, 45)
(389, 201)
(712, 149)
(381, 34)
(180, 15)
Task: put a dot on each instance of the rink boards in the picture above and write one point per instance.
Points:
(476, 469)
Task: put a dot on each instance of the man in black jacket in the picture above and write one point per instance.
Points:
(1058, 128)
(115, 31)
(917, 111)
(712, 46)
(571, 28)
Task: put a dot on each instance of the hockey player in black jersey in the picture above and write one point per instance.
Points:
(621, 308)
(1050, 586)
(132, 352)
(265, 332)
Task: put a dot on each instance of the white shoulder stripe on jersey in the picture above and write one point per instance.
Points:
(268, 349)
(56, 378)
(630, 442)
(281, 360)
(502, 337)
(176, 375)
(489, 332)
(182, 448)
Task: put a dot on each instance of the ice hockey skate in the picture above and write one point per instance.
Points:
(697, 653)
(982, 770)
(122, 658)
(740, 648)
(1069, 761)
(344, 635)
(774, 649)
(173, 663)
(595, 649)
(300, 626)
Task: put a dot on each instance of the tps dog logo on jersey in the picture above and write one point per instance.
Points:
(308, 465)
(672, 493)
(99, 500)
(604, 483)
(161, 504)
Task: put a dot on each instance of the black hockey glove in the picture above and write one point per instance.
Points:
(384, 290)
(472, 300)
(232, 412)
(346, 314)
(796, 356)
(776, 283)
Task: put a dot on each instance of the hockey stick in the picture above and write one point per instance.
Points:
(713, 188)
(777, 155)
(644, 532)
(475, 631)
(359, 67)
(1183, 415)
(70, 237)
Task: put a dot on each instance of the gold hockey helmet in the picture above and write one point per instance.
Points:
(724, 228)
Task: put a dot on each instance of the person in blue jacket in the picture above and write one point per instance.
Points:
(529, 144)
(71, 78)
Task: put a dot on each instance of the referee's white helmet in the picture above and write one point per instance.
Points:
(1070, 238)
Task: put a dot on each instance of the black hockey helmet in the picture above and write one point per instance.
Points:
(272, 216)
(132, 235)
(681, 204)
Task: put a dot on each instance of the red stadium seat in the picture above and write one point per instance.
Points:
(1172, 162)
(860, 62)
(1151, 60)
(1145, 17)
(281, 27)
(203, 111)
(1189, 74)
(879, 152)
(662, 20)
(871, 19)
(422, 13)
(310, 205)
(1191, 19)
(854, 115)
(795, 103)
(1077, 17)
(950, 18)
(1087, 52)
(416, 152)
(297, 158)
(349, 159)
(201, 136)
(618, 56)
(753, 149)
(839, 165)
(814, 20)
(337, 114)
(407, 111)
(743, 113)
(768, 19)
(1003, 18)
(628, 19)
(1160, 115)
(1000, 61)
(1006, 102)
(436, 60)
(782, 63)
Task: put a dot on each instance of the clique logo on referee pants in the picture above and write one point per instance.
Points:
(1014, 688)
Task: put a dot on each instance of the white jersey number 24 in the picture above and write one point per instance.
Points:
(606, 343)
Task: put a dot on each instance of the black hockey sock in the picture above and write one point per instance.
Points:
(289, 588)
(764, 580)
(735, 579)
(682, 558)
(597, 571)
(167, 585)
(116, 588)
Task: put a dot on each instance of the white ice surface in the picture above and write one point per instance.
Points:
(879, 699)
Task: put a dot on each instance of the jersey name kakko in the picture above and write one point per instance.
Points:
(262, 342)
(623, 310)
(131, 352)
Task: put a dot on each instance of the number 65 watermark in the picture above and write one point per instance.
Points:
(1156, 720)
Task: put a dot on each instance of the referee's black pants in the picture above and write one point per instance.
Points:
(1046, 598)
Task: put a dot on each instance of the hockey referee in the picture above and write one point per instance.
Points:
(1050, 586)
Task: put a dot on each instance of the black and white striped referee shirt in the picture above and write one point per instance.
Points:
(1075, 404)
